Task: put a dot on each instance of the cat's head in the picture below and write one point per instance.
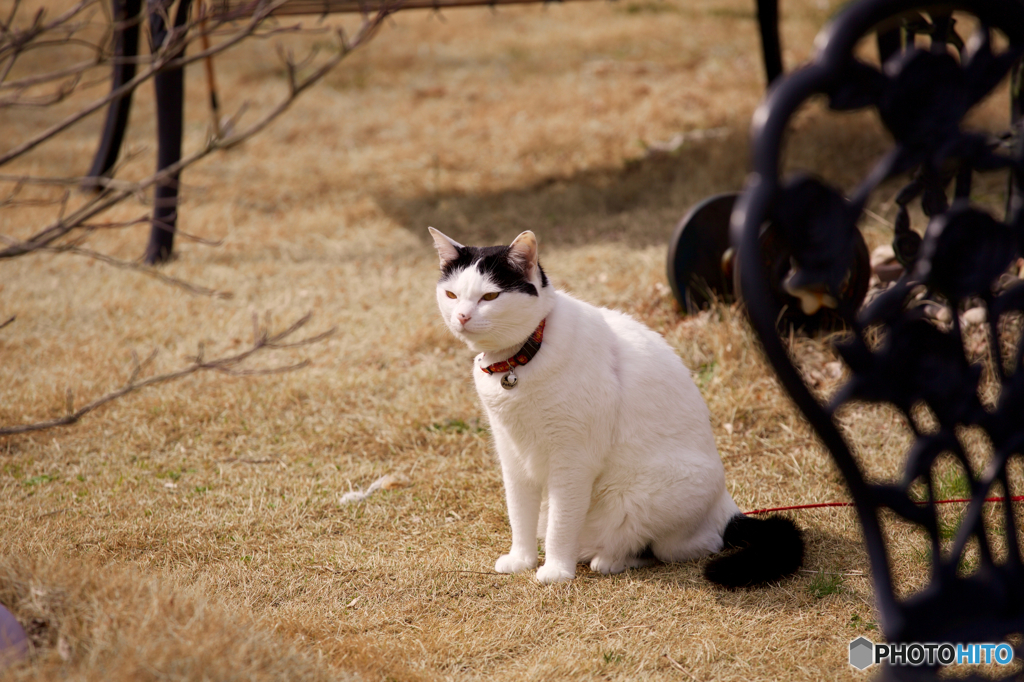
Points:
(492, 297)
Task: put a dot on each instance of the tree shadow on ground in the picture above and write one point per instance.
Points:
(638, 203)
(641, 202)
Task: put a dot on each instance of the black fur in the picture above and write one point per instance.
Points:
(765, 550)
(467, 254)
(494, 261)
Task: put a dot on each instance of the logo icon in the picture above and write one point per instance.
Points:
(862, 652)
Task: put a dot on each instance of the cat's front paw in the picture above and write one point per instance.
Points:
(550, 573)
(511, 563)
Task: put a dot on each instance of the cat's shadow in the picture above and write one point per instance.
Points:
(835, 567)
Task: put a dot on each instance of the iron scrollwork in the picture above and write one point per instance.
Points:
(896, 353)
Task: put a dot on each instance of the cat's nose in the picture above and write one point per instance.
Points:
(464, 318)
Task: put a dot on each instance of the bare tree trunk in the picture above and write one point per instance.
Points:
(170, 104)
(127, 17)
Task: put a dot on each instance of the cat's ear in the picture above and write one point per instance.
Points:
(523, 253)
(447, 248)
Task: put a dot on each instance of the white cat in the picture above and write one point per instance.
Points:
(605, 443)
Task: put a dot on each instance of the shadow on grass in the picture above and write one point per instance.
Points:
(830, 562)
(641, 202)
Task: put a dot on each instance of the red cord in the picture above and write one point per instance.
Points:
(1015, 498)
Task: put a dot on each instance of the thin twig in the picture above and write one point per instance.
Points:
(113, 193)
(41, 79)
(51, 513)
(243, 460)
(224, 364)
(679, 666)
(147, 270)
(164, 59)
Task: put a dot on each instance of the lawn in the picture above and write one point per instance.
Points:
(196, 530)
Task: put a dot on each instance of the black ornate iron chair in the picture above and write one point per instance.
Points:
(896, 353)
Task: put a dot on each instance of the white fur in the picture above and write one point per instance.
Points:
(605, 443)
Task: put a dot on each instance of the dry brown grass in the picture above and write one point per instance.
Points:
(195, 532)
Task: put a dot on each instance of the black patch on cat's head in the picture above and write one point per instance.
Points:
(494, 262)
(467, 254)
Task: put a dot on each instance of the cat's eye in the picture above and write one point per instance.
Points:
(451, 295)
(491, 296)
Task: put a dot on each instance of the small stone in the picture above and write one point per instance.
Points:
(939, 313)
(882, 255)
(13, 640)
(1006, 281)
(63, 649)
(974, 316)
(394, 483)
(888, 272)
(812, 299)
(884, 264)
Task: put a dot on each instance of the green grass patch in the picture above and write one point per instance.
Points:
(458, 426)
(649, 8)
(860, 623)
(613, 657)
(825, 584)
(705, 373)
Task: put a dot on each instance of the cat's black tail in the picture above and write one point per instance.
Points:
(765, 550)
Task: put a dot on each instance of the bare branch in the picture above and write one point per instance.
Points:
(146, 219)
(65, 90)
(109, 196)
(5, 26)
(14, 41)
(165, 58)
(10, 320)
(64, 204)
(264, 372)
(170, 55)
(366, 32)
(41, 79)
(226, 365)
(147, 270)
(137, 366)
(74, 221)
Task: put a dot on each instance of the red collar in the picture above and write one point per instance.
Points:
(524, 355)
